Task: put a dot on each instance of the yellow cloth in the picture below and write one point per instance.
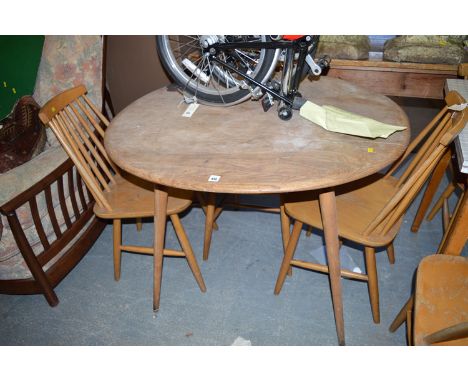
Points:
(341, 121)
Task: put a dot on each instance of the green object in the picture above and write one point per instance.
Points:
(20, 58)
(341, 121)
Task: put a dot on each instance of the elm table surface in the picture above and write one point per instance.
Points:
(255, 152)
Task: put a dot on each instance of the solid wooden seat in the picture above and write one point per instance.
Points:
(78, 125)
(135, 199)
(356, 210)
(370, 211)
(440, 314)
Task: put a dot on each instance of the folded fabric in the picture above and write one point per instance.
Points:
(341, 121)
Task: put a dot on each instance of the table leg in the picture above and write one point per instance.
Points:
(160, 212)
(330, 230)
(210, 211)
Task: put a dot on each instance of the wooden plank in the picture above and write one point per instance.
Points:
(401, 84)
(394, 66)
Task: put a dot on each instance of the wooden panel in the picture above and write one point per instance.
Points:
(395, 66)
(401, 84)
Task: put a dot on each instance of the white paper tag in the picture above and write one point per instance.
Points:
(214, 178)
(190, 110)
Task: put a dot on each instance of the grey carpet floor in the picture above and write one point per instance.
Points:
(240, 274)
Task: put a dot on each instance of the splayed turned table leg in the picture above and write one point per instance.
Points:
(210, 211)
(160, 211)
(330, 229)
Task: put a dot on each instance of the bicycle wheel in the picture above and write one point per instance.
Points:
(190, 66)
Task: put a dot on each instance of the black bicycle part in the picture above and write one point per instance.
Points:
(285, 113)
(255, 82)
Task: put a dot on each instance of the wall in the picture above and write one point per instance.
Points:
(133, 69)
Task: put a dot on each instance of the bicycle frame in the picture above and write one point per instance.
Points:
(289, 83)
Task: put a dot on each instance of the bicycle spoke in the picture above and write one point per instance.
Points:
(199, 76)
(211, 73)
(246, 55)
(202, 58)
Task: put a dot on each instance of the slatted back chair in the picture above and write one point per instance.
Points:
(371, 214)
(418, 171)
(427, 138)
(79, 126)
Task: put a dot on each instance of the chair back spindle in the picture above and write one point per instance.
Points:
(439, 134)
(78, 125)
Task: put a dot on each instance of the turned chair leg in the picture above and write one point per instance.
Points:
(372, 283)
(440, 202)
(187, 248)
(391, 253)
(288, 255)
(405, 314)
(117, 236)
(430, 191)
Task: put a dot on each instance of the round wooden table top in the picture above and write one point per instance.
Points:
(249, 150)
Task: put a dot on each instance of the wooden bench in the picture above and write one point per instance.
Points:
(400, 79)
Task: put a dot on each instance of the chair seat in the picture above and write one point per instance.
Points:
(441, 298)
(356, 209)
(134, 198)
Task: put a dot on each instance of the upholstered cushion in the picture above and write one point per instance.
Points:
(68, 61)
(13, 183)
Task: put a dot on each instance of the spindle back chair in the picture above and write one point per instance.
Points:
(79, 126)
(370, 211)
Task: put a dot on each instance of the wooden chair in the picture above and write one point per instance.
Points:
(440, 313)
(370, 211)
(77, 123)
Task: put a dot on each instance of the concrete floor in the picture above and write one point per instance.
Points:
(240, 276)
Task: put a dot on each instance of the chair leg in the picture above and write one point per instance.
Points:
(139, 224)
(402, 315)
(391, 253)
(445, 214)
(372, 283)
(409, 325)
(210, 209)
(288, 255)
(430, 191)
(285, 231)
(117, 236)
(448, 228)
(440, 202)
(187, 248)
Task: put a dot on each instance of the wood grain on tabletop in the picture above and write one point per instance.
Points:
(252, 151)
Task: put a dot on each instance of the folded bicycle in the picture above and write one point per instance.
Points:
(225, 70)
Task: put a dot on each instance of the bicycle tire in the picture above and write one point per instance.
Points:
(204, 94)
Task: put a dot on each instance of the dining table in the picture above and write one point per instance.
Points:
(241, 149)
